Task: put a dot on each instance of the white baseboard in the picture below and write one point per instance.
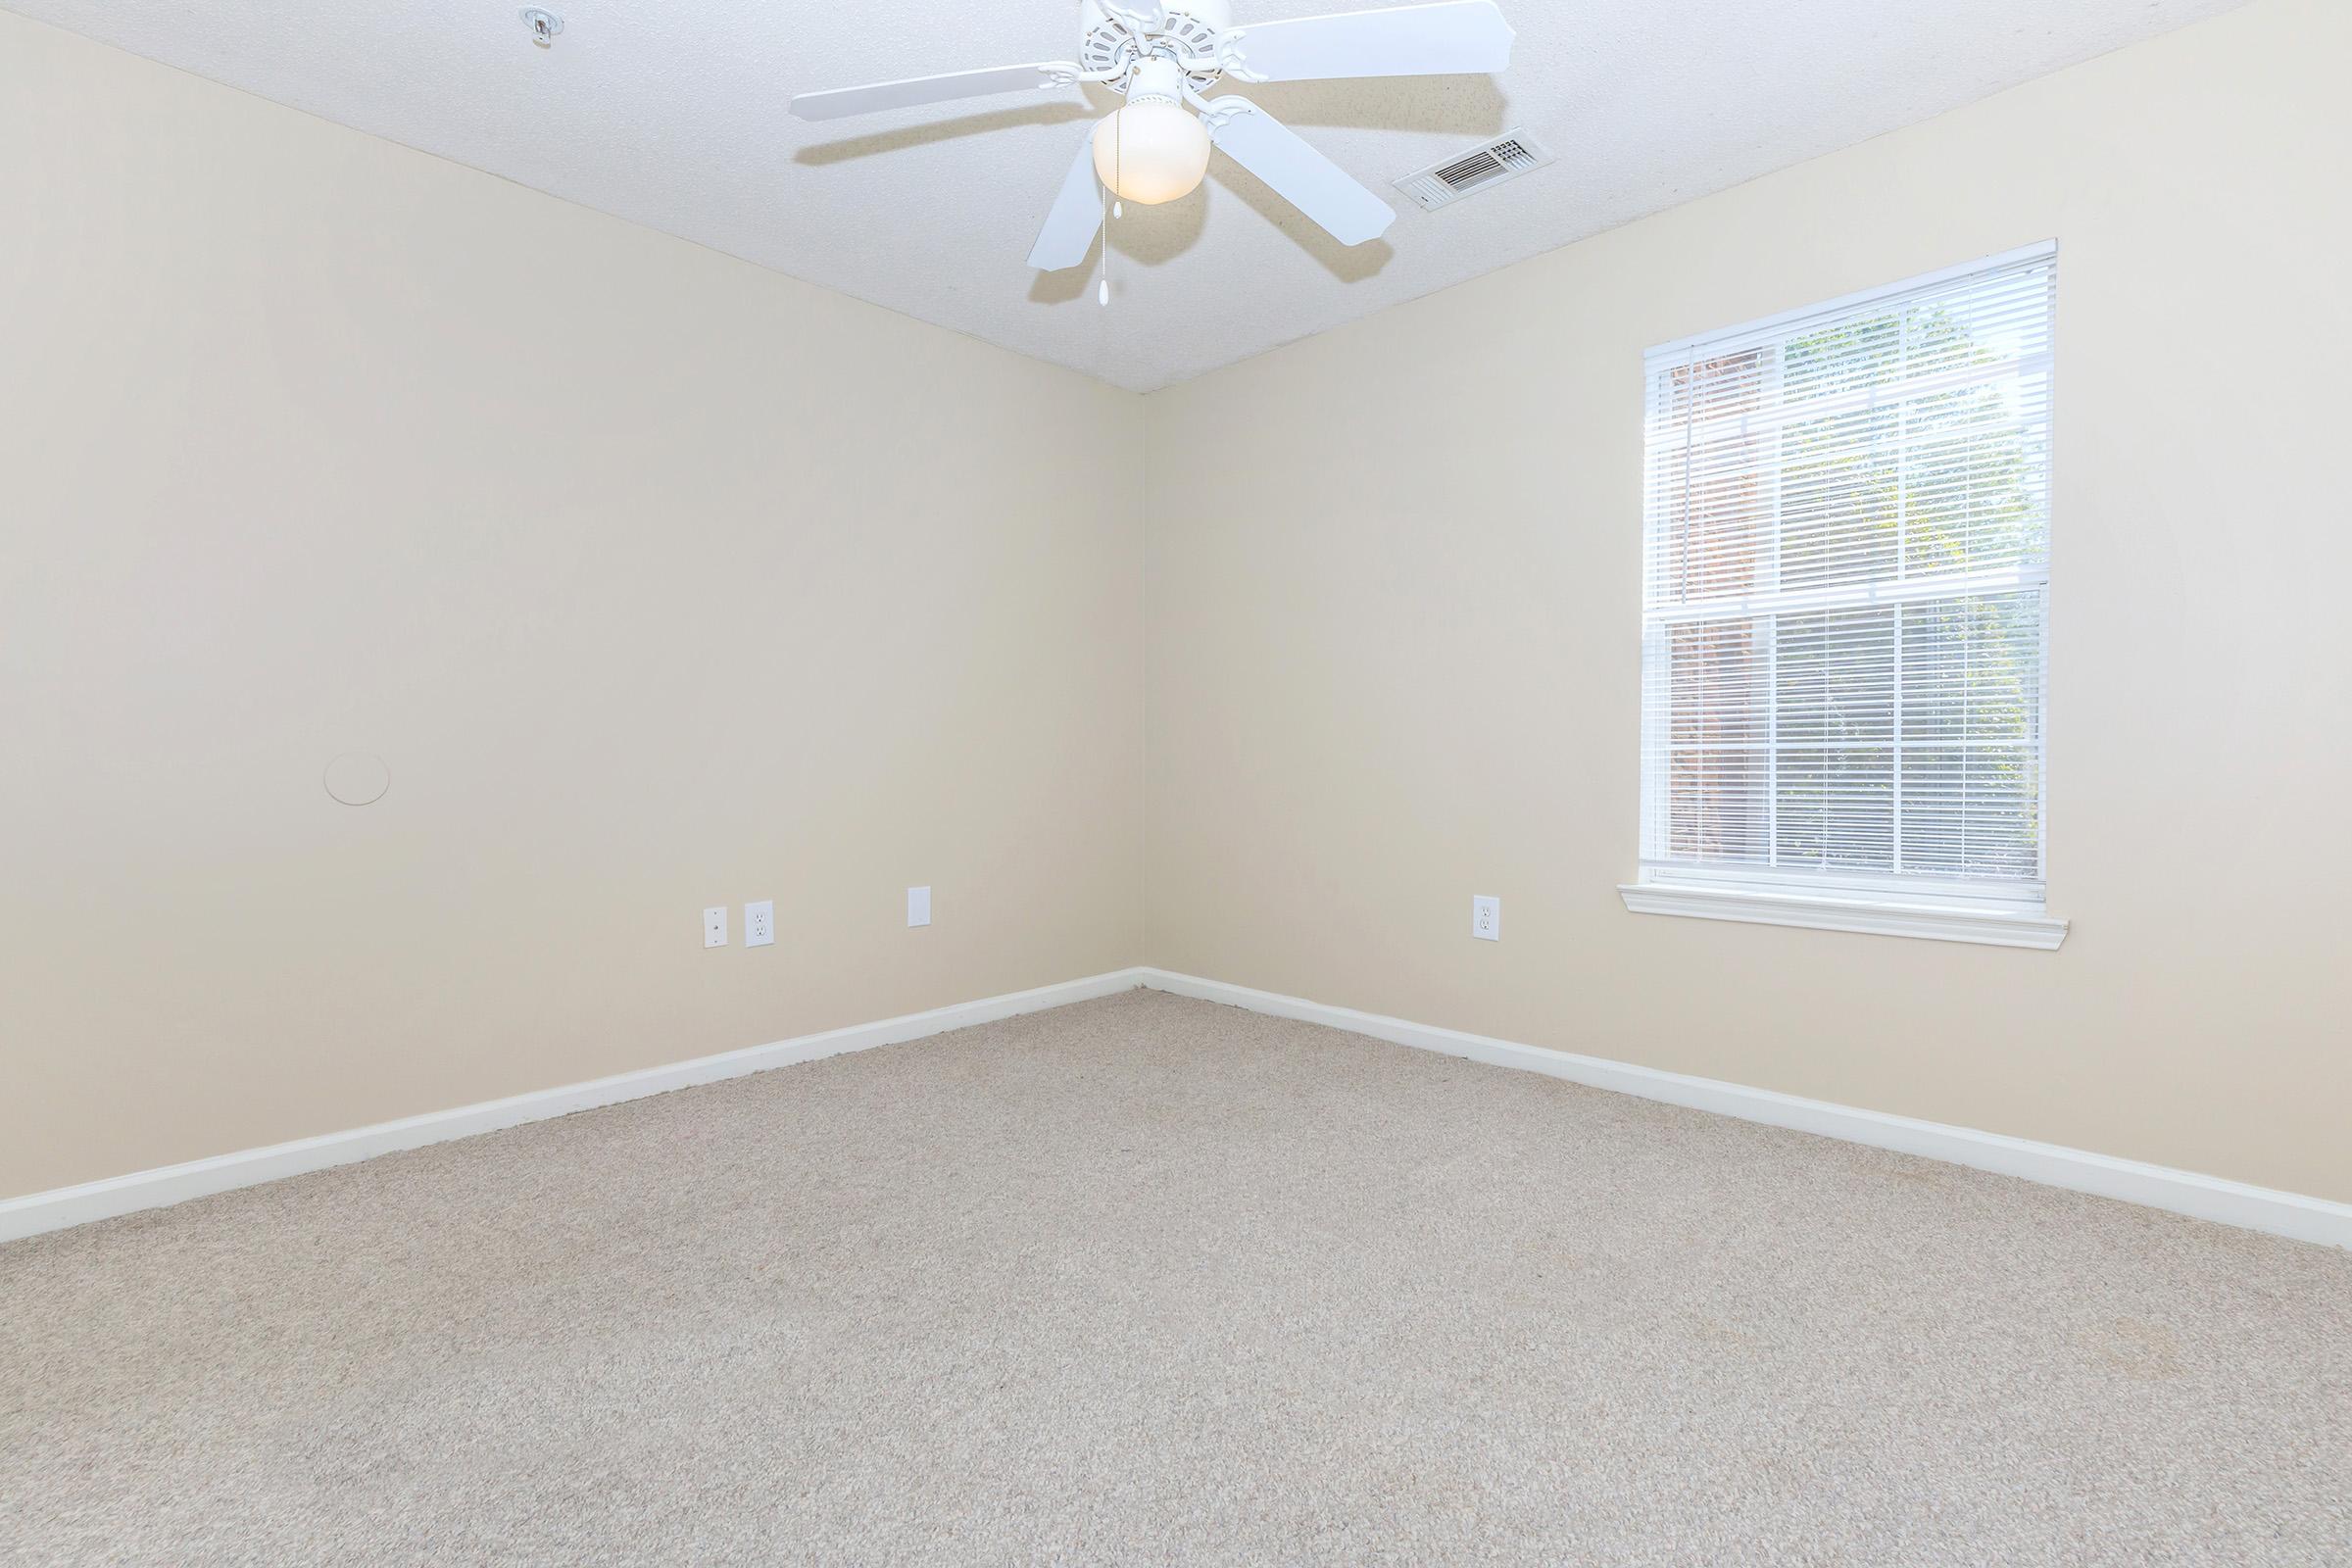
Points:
(36, 1212)
(2260, 1209)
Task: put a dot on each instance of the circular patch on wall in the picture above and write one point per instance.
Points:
(358, 778)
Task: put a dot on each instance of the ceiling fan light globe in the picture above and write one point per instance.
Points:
(1151, 152)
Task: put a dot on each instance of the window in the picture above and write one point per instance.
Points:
(1845, 585)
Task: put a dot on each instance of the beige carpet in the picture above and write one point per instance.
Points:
(1150, 1280)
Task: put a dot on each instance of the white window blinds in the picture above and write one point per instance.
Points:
(1845, 585)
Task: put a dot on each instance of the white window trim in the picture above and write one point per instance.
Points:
(1940, 922)
(2015, 917)
(2012, 898)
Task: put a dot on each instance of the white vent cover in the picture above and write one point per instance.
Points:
(1451, 180)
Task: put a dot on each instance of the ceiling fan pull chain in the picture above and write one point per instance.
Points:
(1118, 209)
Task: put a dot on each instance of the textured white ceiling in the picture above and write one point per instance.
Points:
(671, 114)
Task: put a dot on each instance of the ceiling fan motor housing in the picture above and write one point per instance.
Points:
(1187, 28)
(1157, 82)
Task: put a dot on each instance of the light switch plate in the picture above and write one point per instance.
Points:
(1485, 918)
(760, 924)
(919, 906)
(714, 926)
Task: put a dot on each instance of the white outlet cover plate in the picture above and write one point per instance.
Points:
(1485, 918)
(760, 924)
(919, 906)
(714, 926)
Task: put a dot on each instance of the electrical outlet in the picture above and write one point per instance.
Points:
(1485, 918)
(760, 924)
(715, 927)
(919, 906)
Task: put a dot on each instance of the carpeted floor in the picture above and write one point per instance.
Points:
(1151, 1280)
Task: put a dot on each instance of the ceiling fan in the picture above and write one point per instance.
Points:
(1162, 56)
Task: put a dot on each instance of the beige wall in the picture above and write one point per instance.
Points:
(1394, 659)
(659, 580)
(662, 581)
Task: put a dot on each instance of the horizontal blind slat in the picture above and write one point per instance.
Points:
(1845, 578)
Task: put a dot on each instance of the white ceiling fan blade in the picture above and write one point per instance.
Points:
(1069, 231)
(1456, 37)
(842, 101)
(1298, 173)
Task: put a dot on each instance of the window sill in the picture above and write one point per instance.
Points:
(1875, 917)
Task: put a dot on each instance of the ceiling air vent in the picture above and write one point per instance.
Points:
(1505, 158)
